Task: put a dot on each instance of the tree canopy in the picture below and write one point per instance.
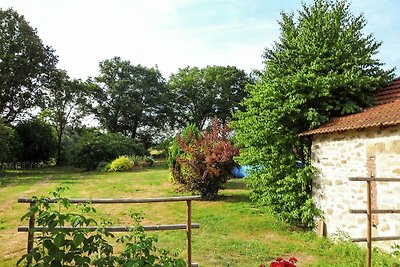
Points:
(201, 94)
(127, 98)
(24, 65)
(322, 66)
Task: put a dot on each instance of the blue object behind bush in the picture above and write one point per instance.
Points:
(241, 171)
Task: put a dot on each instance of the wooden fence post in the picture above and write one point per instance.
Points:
(369, 224)
(31, 232)
(189, 233)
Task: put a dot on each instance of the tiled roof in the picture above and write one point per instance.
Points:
(382, 115)
(389, 93)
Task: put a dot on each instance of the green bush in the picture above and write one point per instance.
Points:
(82, 247)
(9, 143)
(121, 164)
(103, 166)
(146, 161)
(93, 148)
(174, 152)
(135, 160)
(38, 141)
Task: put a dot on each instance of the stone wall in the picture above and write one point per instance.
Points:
(357, 153)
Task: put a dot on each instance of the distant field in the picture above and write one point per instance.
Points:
(234, 232)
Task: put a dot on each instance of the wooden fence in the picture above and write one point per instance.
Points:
(11, 166)
(369, 211)
(31, 229)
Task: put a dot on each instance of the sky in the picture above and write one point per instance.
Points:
(173, 34)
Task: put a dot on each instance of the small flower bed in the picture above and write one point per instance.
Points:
(280, 262)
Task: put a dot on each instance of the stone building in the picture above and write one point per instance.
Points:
(359, 145)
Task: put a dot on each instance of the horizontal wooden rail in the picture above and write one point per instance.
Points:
(111, 229)
(117, 200)
(374, 211)
(373, 179)
(382, 238)
(31, 229)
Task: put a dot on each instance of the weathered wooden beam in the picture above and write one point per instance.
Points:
(361, 211)
(189, 232)
(382, 238)
(112, 228)
(369, 225)
(31, 235)
(373, 179)
(118, 200)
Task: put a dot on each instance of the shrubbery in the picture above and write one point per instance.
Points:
(38, 141)
(82, 247)
(146, 162)
(121, 164)
(9, 143)
(190, 133)
(125, 163)
(203, 161)
(93, 148)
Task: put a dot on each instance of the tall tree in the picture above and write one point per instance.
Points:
(24, 65)
(130, 99)
(322, 66)
(62, 105)
(201, 94)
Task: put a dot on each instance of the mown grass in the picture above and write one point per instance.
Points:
(234, 231)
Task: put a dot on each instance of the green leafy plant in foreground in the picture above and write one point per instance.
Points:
(57, 246)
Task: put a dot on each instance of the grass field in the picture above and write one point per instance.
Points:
(234, 231)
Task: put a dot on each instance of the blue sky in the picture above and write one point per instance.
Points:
(173, 34)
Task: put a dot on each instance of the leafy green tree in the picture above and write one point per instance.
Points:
(322, 66)
(38, 141)
(62, 105)
(9, 143)
(201, 94)
(130, 99)
(24, 65)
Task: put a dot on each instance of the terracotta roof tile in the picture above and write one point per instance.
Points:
(389, 93)
(382, 115)
(386, 113)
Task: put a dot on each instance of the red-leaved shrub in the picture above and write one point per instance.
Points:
(205, 160)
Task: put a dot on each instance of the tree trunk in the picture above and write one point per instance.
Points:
(59, 146)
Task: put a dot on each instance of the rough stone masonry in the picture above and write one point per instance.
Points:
(357, 153)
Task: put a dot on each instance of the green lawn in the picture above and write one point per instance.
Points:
(234, 231)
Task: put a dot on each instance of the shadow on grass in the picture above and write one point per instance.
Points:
(65, 175)
(235, 198)
(235, 184)
(234, 191)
